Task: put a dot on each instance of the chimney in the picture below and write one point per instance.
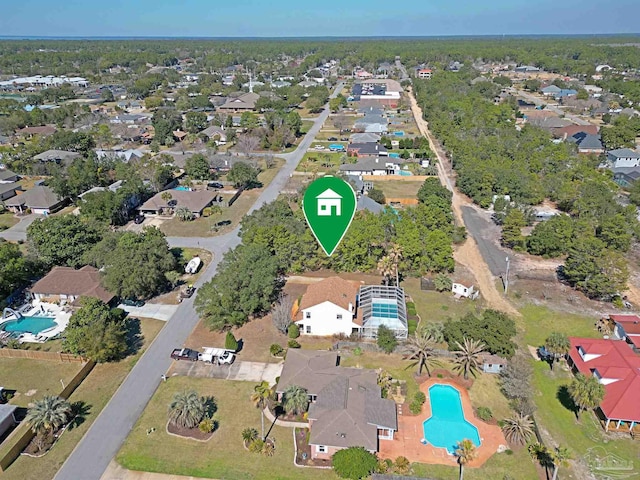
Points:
(351, 307)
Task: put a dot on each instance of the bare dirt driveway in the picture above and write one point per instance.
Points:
(468, 254)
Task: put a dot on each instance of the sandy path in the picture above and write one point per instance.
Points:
(468, 253)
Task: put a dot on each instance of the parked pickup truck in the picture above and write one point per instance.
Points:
(221, 356)
(184, 354)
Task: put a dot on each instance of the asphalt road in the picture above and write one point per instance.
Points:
(479, 228)
(102, 441)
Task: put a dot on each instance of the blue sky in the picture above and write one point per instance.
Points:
(275, 18)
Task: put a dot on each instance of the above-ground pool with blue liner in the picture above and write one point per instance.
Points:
(32, 325)
(447, 425)
(394, 155)
(405, 173)
(399, 134)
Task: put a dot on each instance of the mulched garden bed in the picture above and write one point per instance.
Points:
(193, 433)
(303, 451)
(46, 443)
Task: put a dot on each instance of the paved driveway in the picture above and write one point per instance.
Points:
(242, 371)
(19, 230)
(151, 310)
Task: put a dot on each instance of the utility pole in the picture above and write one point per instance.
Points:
(506, 278)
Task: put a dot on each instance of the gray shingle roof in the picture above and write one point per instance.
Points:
(6, 174)
(367, 148)
(364, 138)
(365, 203)
(56, 155)
(587, 141)
(623, 153)
(37, 197)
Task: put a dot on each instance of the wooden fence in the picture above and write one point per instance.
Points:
(36, 355)
(22, 435)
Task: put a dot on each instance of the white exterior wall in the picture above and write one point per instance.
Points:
(626, 162)
(40, 211)
(323, 320)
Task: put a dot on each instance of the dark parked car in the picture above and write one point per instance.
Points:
(131, 302)
(138, 219)
(215, 185)
(184, 354)
(333, 139)
(344, 139)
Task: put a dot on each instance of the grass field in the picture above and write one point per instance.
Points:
(434, 306)
(7, 219)
(223, 456)
(320, 161)
(95, 391)
(399, 188)
(33, 379)
(539, 322)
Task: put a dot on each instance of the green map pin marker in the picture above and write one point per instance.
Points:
(329, 205)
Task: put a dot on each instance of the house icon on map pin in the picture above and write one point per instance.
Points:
(328, 200)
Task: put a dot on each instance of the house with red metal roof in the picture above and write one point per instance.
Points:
(628, 329)
(617, 367)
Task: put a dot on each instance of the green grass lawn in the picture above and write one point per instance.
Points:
(518, 466)
(95, 391)
(321, 161)
(399, 188)
(540, 321)
(223, 456)
(434, 306)
(7, 219)
(33, 379)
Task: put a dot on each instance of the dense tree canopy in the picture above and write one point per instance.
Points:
(63, 239)
(15, 268)
(96, 331)
(493, 328)
(246, 284)
(135, 265)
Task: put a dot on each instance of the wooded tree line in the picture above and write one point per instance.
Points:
(493, 158)
(58, 57)
(276, 240)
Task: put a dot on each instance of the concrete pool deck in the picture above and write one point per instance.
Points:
(406, 441)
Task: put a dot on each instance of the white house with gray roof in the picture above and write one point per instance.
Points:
(623, 157)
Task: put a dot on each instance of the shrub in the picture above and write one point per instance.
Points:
(386, 339)
(509, 452)
(293, 344)
(276, 350)
(420, 397)
(402, 465)
(207, 425)
(411, 308)
(415, 407)
(357, 351)
(294, 331)
(256, 446)
(230, 342)
(484, 414)
(354, 463)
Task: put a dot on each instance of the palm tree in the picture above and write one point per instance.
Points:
(187, 409)
(558, 345)
(465, 452)
(295, 399)
(249, 435)
(260, 396)
(518, 429)
(422, 350)
(560, 456)
(166, 196)
(586, 392)
(48, 414)
(468, 357)
(388, 265)
(184, 214)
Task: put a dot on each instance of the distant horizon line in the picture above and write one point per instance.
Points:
(323, 37)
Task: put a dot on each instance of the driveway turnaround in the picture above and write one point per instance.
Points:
(151, 310)
(19, 230)
(102, 441)
(242, 371)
